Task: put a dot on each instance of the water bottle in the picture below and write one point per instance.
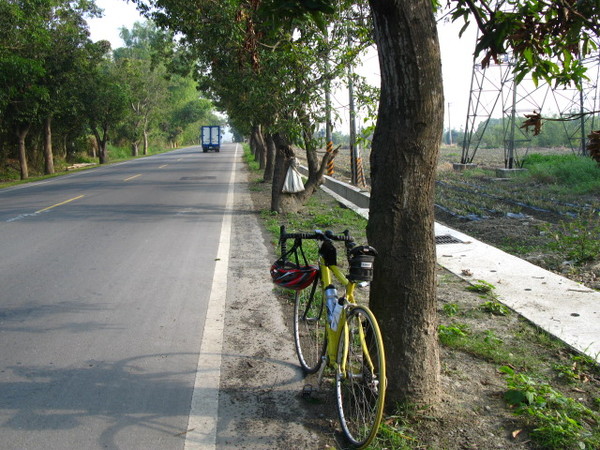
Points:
(337, 312)
(330, 300)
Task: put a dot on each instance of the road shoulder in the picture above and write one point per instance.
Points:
(259, 400)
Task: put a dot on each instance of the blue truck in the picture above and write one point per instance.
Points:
(211, 138)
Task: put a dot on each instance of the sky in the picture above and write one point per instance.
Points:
(457, 59)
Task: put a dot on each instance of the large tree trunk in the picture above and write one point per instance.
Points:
(21, 135)
(48, 157)
(101, 142)
(145, 140)
(403, 160)
(257, 143)
(270, 157)
(283, 151)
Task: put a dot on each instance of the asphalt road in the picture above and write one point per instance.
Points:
(104, 281)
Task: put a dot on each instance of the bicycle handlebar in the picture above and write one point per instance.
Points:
(316, 235)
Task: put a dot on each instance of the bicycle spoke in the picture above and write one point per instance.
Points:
(359, 385)
(309, 327)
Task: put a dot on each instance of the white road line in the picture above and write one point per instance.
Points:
(204, 411)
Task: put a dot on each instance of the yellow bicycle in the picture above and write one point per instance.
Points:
(333, 330)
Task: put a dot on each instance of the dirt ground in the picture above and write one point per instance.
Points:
(262, 383)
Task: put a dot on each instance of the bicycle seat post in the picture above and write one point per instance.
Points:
(282, 239)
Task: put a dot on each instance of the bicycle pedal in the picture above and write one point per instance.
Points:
(307, 391)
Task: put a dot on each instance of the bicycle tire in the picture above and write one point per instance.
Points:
(360, 390)
(310, 336)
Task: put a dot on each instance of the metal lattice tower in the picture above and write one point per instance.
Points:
(494, 94)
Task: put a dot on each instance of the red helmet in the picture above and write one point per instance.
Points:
(292, 276)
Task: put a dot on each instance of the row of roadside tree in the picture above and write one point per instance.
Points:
(64, 97)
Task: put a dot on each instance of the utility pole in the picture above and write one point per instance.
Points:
(582, 124)
(328, 125)
(449, 126)
(513, 123)
(353, 147)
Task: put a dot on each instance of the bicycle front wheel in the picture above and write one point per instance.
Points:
(360, 377)
(309, 326)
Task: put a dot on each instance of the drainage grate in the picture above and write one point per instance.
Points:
(198, 178)
(447, 239)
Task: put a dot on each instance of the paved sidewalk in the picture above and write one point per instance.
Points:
(562, 307)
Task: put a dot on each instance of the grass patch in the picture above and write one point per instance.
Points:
(251, 162)
(580, 175)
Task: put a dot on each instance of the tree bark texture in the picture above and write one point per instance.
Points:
(270, 157)
(101, 143)
(21, 135)
(283, 151)
(258, 146)
(48, 157)
(146, 140)
(401, 219)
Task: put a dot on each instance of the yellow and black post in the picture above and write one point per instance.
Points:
(330, 170)
(360, 174)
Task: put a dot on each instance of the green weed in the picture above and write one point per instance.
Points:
(495, 307)
(556, 421)
(491, 338)
(481, 287)
(579, 369)
(577, 239)
(452, 335)
(450, 309)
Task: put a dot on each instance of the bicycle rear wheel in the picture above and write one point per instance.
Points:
(309, 326)
(360, 377)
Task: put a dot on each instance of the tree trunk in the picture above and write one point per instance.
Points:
(270, 157)
(145, 141)
(262, 149)
(401, 218)
(257, 143)
(135, 145)
(101, 143)
(21, 135)
(284, 202)
(93, 146)
(283, 151)
(48, 158)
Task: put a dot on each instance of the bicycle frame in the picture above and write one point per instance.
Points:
(333, 337)
(354, 350)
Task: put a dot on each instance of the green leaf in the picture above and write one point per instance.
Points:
(515, 397)
(528, 55)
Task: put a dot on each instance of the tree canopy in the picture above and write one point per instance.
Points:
(52, 75)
